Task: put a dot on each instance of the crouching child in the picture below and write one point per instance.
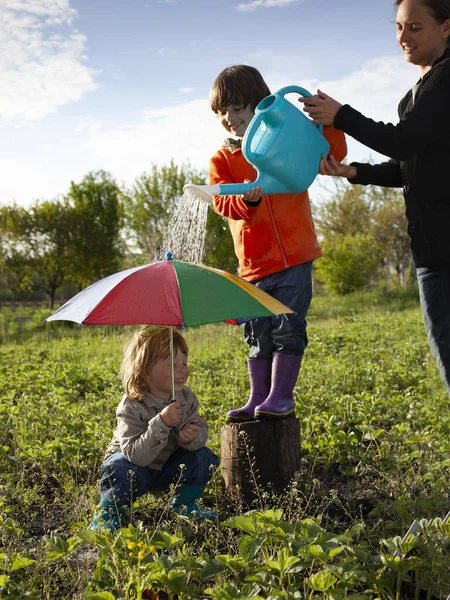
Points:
(159, 441)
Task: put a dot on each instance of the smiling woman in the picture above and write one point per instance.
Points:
(420, 155)
(422, 30)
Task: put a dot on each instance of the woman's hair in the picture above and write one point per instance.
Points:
(240, 85)
(148, 345)
(439, 9)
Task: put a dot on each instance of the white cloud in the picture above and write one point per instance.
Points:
(280, 69)
(376, 88)
(24, 181)
(41, 59)
(255, 4)
(55, 11)
(185, 90)
(189, 132)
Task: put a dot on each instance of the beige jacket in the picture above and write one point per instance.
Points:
(142, 436)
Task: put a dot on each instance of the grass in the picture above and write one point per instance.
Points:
(375, 448)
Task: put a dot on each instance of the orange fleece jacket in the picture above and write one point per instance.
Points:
(279, 232)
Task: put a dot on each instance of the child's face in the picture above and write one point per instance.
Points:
(235, 119)
(160, 375)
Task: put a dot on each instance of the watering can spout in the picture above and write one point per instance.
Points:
(201, 192)
(282, 144)
(207, 192)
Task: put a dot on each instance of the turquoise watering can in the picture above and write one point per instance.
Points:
(282, 144)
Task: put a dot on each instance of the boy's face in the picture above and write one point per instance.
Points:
(160, 375)
(235, 119)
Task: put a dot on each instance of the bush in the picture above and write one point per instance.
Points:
(348, 262)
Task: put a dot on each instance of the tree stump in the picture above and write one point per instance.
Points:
(259, 455)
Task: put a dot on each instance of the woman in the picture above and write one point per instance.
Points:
(419, 147)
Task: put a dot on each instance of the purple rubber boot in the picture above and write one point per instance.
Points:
(259, 370)
(280, 401)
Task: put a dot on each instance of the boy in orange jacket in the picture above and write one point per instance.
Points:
(275, 242)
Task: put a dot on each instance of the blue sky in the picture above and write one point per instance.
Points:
(121, 84)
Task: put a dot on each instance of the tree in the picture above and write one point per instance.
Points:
(375, 212)
(390, 229)
(153, 201)
(219, 248)
(348, 212)
(350, 251)
(95, 208)
(34, 243)
(150, 204)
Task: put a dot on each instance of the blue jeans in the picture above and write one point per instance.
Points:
(283, 333)
(434, 291)
(123, 482)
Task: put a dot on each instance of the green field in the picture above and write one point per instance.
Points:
(375, 431)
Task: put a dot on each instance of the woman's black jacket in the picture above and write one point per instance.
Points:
(419, 147)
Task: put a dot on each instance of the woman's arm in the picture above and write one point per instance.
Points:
(427, 121)
(385, 174)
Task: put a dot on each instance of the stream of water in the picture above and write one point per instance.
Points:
(185, 235)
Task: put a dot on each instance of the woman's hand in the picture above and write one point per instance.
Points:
(189, 432)
(321, 108)
(330, 166)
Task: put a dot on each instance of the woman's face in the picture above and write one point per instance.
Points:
(420, 36)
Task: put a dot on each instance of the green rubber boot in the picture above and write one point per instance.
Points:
(108, 516)
(184, 503)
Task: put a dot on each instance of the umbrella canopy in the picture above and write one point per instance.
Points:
(169, 292)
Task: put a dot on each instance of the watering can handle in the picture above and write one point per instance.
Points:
(289, 89)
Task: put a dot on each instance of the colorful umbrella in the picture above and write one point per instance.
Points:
(170, 293)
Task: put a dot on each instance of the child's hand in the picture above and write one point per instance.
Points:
(253, 195)
(171, 415)
(189, 432)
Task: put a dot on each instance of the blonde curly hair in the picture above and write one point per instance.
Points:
(148, 345)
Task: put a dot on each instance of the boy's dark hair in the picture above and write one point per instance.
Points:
(240, 85)
(439, 9)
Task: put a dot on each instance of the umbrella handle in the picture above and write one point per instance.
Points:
(174, 428)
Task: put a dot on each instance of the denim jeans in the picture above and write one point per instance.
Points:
(123, 482)
(434, 291)
(283, 333)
